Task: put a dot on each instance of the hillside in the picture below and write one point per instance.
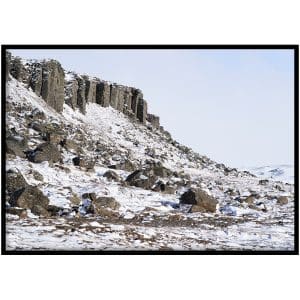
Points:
(88, 168)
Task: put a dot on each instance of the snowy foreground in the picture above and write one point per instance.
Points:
(146, 220)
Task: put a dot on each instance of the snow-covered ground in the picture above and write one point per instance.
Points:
(147, 219)
(284, 173)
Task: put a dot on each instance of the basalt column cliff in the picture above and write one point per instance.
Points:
(48, 79)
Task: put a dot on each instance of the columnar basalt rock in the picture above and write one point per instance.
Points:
(90, 89)
(153, 120)
(103, 93)
(114, 96)
(47, 79)
(142, 110)
(36, 78)
(81, 100)
(137, 94)
(18, 70)
(7, 61)
(53, 84)
(71, 88)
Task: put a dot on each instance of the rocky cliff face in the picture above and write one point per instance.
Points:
(48, 80)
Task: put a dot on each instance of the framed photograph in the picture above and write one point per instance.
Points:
(150, 149)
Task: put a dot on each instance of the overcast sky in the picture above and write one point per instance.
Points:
(235, 106)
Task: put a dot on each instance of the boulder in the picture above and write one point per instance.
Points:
(53, 210)
(69, 145)
(142, 178)
(44, 152)
(263, 182)
(125, 165)
(31, 198)
(14, 181)
(165, 188)
(157, 168)
(249, 200)
(111, 175)
(16, 145)
(282, 200)
(74, 199)
(199, 198)
(37, 176)
(21, 212)
(105, 202)
(86, 163)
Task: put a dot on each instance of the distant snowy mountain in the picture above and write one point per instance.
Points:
(283, 173)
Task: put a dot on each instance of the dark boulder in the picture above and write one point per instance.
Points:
(263, 182)
(21, 212)
(16, 145)
(44, 152)
(200, 199)
(282, 200)
(111, 175)
(14, 181)
(153, 120)
(31, 198)
(157, 168)
(142, 178)
(125, 165)
(86, 163)
(106, 202)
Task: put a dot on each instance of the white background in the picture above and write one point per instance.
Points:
(150, 22)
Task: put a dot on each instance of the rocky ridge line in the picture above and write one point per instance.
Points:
(49, 80)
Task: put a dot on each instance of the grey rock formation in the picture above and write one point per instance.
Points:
(71, 88)
(47, 79)
(103, 93)
(53, 84)
(18, 70)
(142, 110)
(154, 120)
(81, 100)
(7, 62)
(90, 89)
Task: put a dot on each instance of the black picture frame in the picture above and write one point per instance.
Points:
(295, 48)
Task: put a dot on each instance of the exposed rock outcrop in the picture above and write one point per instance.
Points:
(47, 79)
